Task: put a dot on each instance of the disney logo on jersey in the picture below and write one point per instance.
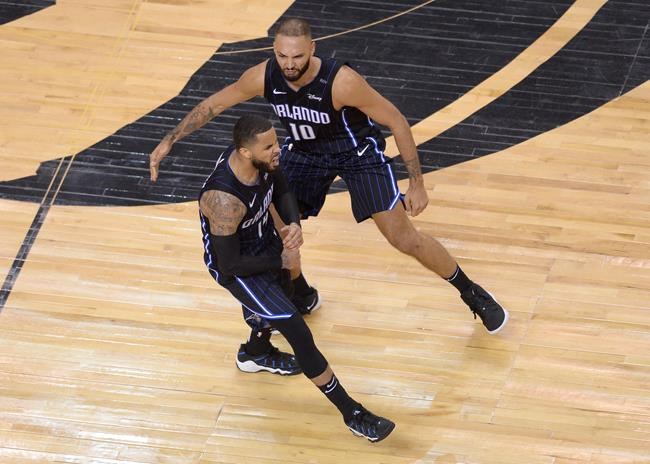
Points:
(262, 212)
(311, 96)
(300, 113)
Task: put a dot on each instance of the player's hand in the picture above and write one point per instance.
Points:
(292, 236)
(156, 156)
(290, 258)
(416, 198)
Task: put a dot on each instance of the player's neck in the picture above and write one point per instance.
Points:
(243, 169)
(309, 76)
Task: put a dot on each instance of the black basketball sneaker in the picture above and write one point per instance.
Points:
(273, 361)
(307, 304)
(483, 304)
(365, 424)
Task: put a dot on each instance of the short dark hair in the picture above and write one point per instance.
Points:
(247, 128)
(294, 27)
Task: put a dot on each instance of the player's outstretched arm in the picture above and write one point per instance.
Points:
(351, 89)
(249, 85)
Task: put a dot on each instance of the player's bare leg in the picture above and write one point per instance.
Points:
(400, 232)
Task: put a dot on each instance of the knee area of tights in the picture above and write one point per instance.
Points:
(295, 330)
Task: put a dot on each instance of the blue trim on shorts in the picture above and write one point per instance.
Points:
(269, 314)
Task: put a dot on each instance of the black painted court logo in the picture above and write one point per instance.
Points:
(421, 62)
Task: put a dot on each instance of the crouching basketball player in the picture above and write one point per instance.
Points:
(245, 255)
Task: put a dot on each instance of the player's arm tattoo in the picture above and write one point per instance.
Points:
(201, 114)
(413, 168)
(223, 210)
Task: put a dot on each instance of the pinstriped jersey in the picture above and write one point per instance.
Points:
(256, 231)
(312, 123)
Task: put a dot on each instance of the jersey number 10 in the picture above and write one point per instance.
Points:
(302, 132)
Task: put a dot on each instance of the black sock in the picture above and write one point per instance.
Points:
(259, 342)
(459, 280)
(300, 286)
(339, 397)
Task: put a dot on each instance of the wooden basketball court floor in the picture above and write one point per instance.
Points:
(117, 347)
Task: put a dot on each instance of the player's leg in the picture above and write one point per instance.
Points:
(267, 306)
(374, 193)
(258, 354)
(309, 178)
(262, 297)
(315, 367)
(305, 297)
(398, 229)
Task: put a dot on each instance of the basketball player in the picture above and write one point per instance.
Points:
(245, 255)
(329, 112)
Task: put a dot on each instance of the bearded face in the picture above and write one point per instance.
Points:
(293, 55)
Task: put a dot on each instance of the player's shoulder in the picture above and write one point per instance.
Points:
(347, 85)
(349, 72)
(348, 77)
(220, 201)
(261, 66)
(253, 77)
(220, 178)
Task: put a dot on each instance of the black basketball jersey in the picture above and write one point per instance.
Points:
(256, 231)
(308, 115)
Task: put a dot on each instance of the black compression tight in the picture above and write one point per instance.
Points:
(297, 333)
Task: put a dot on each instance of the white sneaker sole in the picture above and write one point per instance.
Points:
(251, 367)
(372, 440)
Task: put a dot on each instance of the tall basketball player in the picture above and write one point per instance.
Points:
(245, 255)
(329, 112)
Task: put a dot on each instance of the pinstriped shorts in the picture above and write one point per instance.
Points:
(263, 297)
(365, 170)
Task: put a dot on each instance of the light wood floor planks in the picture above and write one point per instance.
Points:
(117, 347)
